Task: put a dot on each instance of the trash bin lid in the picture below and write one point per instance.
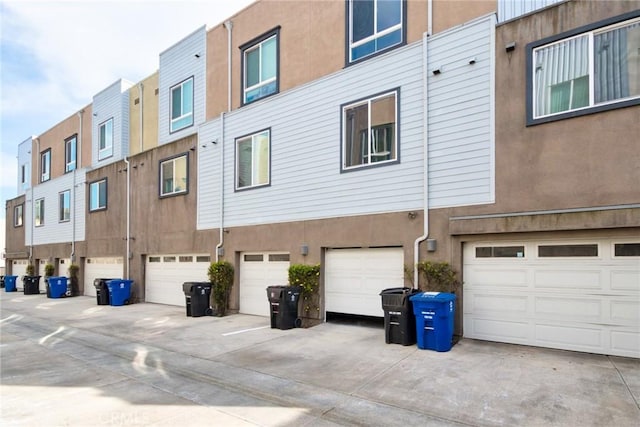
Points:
(433, 296)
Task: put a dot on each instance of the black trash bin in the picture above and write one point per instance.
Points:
(283, 306)
(197, 297)
(102, 291)
(1, 281)
(399, 319)
(31, 285)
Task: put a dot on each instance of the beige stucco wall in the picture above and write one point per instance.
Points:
(14, 246)
(449, 13)
(149, 106)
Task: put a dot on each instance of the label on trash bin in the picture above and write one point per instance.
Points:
(430, 294)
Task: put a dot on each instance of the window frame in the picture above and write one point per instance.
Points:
(23, 175)
(161, 193)
(107, 151)
(71, 164)
(353, 104)
(250, 46)
(106, 195)
(18, 215)
(182, 116)
(63, 198)
(251, 135)
(45, 160)
(38, 219)
(376, 35)
(590, 30)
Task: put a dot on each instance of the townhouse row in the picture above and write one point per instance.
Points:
(498, 136)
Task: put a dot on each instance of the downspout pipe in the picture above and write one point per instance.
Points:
(33, 202)
(425, 216)
(429, 17)
(141, 96)
(229, 26)
(73, 200)
(128, 230)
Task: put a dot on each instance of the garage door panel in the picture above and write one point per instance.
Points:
(581, 303)
(506, 277)
(104, 267)
(165, 275)
(625, 280)
(354, 279)
(257, 272)
(568, 279)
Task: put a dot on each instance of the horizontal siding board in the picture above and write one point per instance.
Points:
(460, 128)
(510, 9)
(306, 181)
(177, 64)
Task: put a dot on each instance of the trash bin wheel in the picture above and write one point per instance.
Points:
(298, 323)
(208, 312)
(126, 302)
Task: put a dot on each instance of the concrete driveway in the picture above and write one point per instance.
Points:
(69, 362)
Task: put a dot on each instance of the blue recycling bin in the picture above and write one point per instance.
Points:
(10, 283)
(434, 319)
(57, 287)
(119, 291)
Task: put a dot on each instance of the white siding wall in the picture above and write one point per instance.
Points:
(177, 64)
(24, 158)
(54, 231)
(510, 9)
(112, 102)
(306, 182)
(461, 116)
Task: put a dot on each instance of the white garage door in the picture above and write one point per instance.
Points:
(103, 268)
(257, 271)
(63, 266)
(19, 268)
(165, 275)
(573, 295)
(355, 277)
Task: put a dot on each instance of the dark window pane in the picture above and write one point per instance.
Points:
(203, 258)
(252, 258)
(176, 103)
(389, 13)
(567, 250)
(627, 249)
(252, 68)
(362, 19)
(154, 259)
(500, 252)
(279, 257)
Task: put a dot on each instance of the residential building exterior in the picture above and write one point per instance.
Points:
(479, 133)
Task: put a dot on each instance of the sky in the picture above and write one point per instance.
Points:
(55, 55)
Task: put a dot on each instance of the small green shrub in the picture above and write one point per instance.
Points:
(48, 270)
(221, 276)
(439, 276)
(30, 270)
(308, 278)
(73, 279)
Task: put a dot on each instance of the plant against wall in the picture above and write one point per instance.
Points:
(48, 270)
(221, 275)
(73, 271)
(439, 277)
(307, 277)
(30, 270)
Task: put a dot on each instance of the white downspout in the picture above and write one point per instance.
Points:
(425, 216)
(73, 197)
(33, 201)
(229, 26)
(128, 238)
(429, 17)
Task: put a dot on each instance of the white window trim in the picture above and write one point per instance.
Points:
(106, 199)
(262, 82)
(182, 116)
(173, 162)
(39, 213)
(369, 156)
(45, 174)
(61, 217)
(18, 220)
(376, 34)
(107, 151)
(591, 70)
(237, 165)
(70, 164)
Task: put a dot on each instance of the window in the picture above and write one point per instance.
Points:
(369, 132)
(627, 249)
(591, 71)
(39, 220)
(98, 195)
(500, 252)
(551, 251)
(260, 67)
(252, 160)
(45, 165)
(182, 105)
(374, 26)
(70, 146)
(105, 148)
(64, 206)
(174, 176)
(23, 176)
(17, 215)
